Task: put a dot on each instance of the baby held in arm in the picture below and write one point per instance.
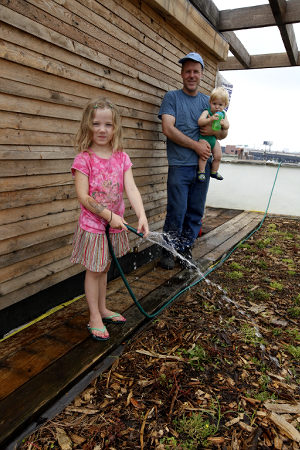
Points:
(217, 118)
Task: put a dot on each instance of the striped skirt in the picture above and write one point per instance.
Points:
(91, 249)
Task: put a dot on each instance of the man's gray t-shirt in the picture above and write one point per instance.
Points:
(186, 109)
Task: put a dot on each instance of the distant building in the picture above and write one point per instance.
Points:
(244, 152)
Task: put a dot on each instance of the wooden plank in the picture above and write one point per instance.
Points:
(11, 274)
(86, 17)
(89, 35)
(37, 224)
(10, 168)
(221, 234)
(37, 354)
(29, 58)
(16, 88)
(35, 250)
(43, 281)
(27, 197)
(39, 210)
(9, 184)
(36, 78)
(217, 253)
(24, 242)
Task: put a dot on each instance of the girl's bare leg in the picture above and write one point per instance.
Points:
(102, 295)
(91, 284)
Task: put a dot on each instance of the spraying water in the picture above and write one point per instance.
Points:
(159, 239)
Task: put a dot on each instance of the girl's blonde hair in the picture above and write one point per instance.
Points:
(221, 93)
(83, 138)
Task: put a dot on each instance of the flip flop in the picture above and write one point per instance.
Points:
(110, 319)
(94, 336)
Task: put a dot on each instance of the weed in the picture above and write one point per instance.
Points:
(198, 426)
(262, 264)
(264, 381)
(277, 331)
(287, 235)
(236, 266)
(260, 365)
(264, 395)
(291, 273)
(297, 300)
(272, 228)
(259, 294)
(260, 244)
(276, 285)
(250, 335)
(288, 261)
(276, 250)
(247, 246)
(294, 351)
(235, 275)
(294, 312)
(294, 333)
(169, 443)
(196, 356)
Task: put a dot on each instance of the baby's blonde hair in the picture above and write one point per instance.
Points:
(221, 93)
(83, 138)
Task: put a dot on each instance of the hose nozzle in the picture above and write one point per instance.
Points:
(130, 228)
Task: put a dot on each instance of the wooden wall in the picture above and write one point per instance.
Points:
(54, 56)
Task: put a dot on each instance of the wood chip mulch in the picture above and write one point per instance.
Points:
(218, 369)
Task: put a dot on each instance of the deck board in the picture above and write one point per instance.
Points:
(39, 363)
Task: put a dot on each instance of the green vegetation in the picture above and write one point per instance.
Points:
(235, 275)
(294, 351)
(196, 356)
(276, 285)
(259, 294)
(250, 335)
(294, 312)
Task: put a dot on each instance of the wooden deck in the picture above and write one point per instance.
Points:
(41, 362)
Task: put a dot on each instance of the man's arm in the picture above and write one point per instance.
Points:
(202, 148)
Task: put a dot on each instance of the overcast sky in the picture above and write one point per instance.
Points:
(265, 103)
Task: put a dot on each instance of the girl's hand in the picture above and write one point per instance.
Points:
(117, 222)
(143, 226)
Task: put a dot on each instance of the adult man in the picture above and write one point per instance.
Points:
(179, 112)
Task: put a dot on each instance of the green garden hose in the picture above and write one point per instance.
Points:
(151, 316)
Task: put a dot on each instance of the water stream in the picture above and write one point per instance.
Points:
(158, 238)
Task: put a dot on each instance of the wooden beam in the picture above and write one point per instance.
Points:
(256, 16)
(279, 8)
(209, 10)
(184, 15)
(271, 60)
(237, 49)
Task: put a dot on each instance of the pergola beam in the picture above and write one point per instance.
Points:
(279, 9)
(269, 60)
(256, 17)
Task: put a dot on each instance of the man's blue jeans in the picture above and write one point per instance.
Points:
(186, 203)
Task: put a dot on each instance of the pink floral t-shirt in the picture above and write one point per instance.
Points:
(106, 184)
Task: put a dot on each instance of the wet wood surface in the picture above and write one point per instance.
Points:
(40, 362)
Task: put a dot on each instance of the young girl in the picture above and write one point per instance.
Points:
(102, 170)
(218, 101)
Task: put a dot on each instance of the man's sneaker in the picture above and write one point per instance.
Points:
(187, 254)
(167, 261)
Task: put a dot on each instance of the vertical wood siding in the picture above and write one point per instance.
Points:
(54, 56)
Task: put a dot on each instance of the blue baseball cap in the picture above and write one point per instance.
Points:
(194, 57)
